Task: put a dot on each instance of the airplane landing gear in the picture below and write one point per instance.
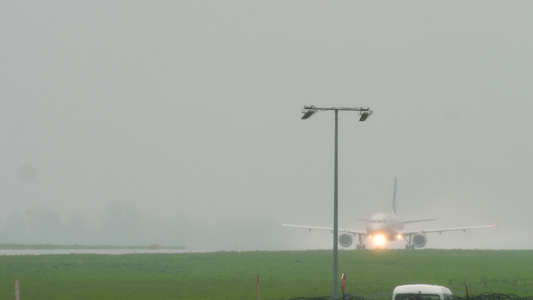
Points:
(361, 244)
(409, 245)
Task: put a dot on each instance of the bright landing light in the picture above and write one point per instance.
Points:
(379, 240)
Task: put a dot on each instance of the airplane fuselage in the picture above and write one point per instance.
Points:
(388, 225)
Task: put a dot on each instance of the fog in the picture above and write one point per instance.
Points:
(178, 122)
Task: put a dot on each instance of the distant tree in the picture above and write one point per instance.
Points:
(15, 230)
(76, 230)
(45, 226)
(123, 225)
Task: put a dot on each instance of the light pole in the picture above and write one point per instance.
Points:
(308, 111)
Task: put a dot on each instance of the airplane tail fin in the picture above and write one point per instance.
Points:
(394, 198)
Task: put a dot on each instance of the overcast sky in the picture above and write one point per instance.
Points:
(178, 122)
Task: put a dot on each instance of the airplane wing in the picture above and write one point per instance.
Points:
(341, 230)
(441, 230)
(415, 221)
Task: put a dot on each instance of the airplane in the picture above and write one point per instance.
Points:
(387, 227)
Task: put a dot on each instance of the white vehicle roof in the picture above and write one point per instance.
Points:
(421, 289)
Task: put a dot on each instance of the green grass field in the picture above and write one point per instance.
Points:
(283, 275)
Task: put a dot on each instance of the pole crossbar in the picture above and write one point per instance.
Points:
(312, 107)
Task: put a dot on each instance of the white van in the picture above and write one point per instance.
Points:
(421, 292)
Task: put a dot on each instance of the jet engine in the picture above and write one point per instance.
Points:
(419, 240)
(345, 240)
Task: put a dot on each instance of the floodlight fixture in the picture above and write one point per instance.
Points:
(364, 115)
(308, 111)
